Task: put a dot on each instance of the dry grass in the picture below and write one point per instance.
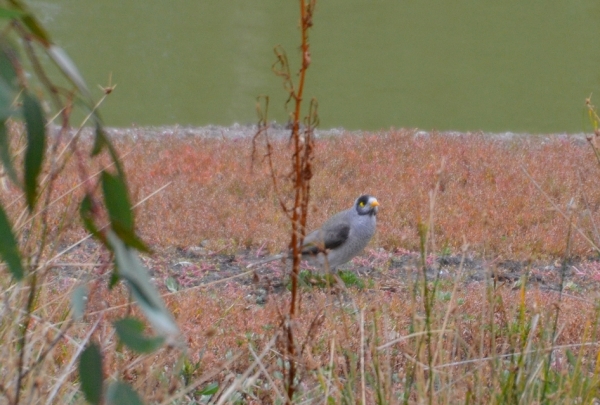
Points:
(485, 196)
(488, 344)
(216, 194)
(225, 329)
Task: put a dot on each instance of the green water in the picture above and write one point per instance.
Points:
(466, 65)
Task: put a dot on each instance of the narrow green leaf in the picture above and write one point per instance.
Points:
(8, 80)
(6, 156)
(130, 238)
(9, 250)
(117, 201)
(9, 14)
(30, 22)
(79, 301)
(119, 209)
(36, 142)
(7, 69)
(114, 279)
(9, 83)
(64, 62)
(7, 95)
(90, 374)
(120, 393)
(210, 389)
(85, 211)
(133, 271)
(100, 141)
(38, 31)
(131, 333)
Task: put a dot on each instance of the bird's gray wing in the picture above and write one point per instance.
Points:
(330, 237)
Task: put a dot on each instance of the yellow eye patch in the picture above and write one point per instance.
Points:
(361, 204)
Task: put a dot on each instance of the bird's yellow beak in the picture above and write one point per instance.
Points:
(375, 203)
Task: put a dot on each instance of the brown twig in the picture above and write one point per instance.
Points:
(263, 127)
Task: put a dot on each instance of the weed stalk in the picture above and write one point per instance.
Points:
(301, 140)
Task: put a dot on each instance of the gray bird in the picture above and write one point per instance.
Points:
(342, 236)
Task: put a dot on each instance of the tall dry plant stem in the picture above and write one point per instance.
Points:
(301, 142)
(302, 155)
(302, 173)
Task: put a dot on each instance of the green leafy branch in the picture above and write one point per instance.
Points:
(19, 102)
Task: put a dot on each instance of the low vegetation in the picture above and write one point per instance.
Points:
(487, 195)
(480, 342)
(404, 323)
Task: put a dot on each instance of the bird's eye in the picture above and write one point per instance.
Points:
(361, 204)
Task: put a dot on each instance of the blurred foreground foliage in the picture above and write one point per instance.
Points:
(37, 141)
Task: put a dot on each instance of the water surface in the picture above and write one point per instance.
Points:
(463, 65)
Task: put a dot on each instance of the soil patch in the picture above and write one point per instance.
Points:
(183, 268)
